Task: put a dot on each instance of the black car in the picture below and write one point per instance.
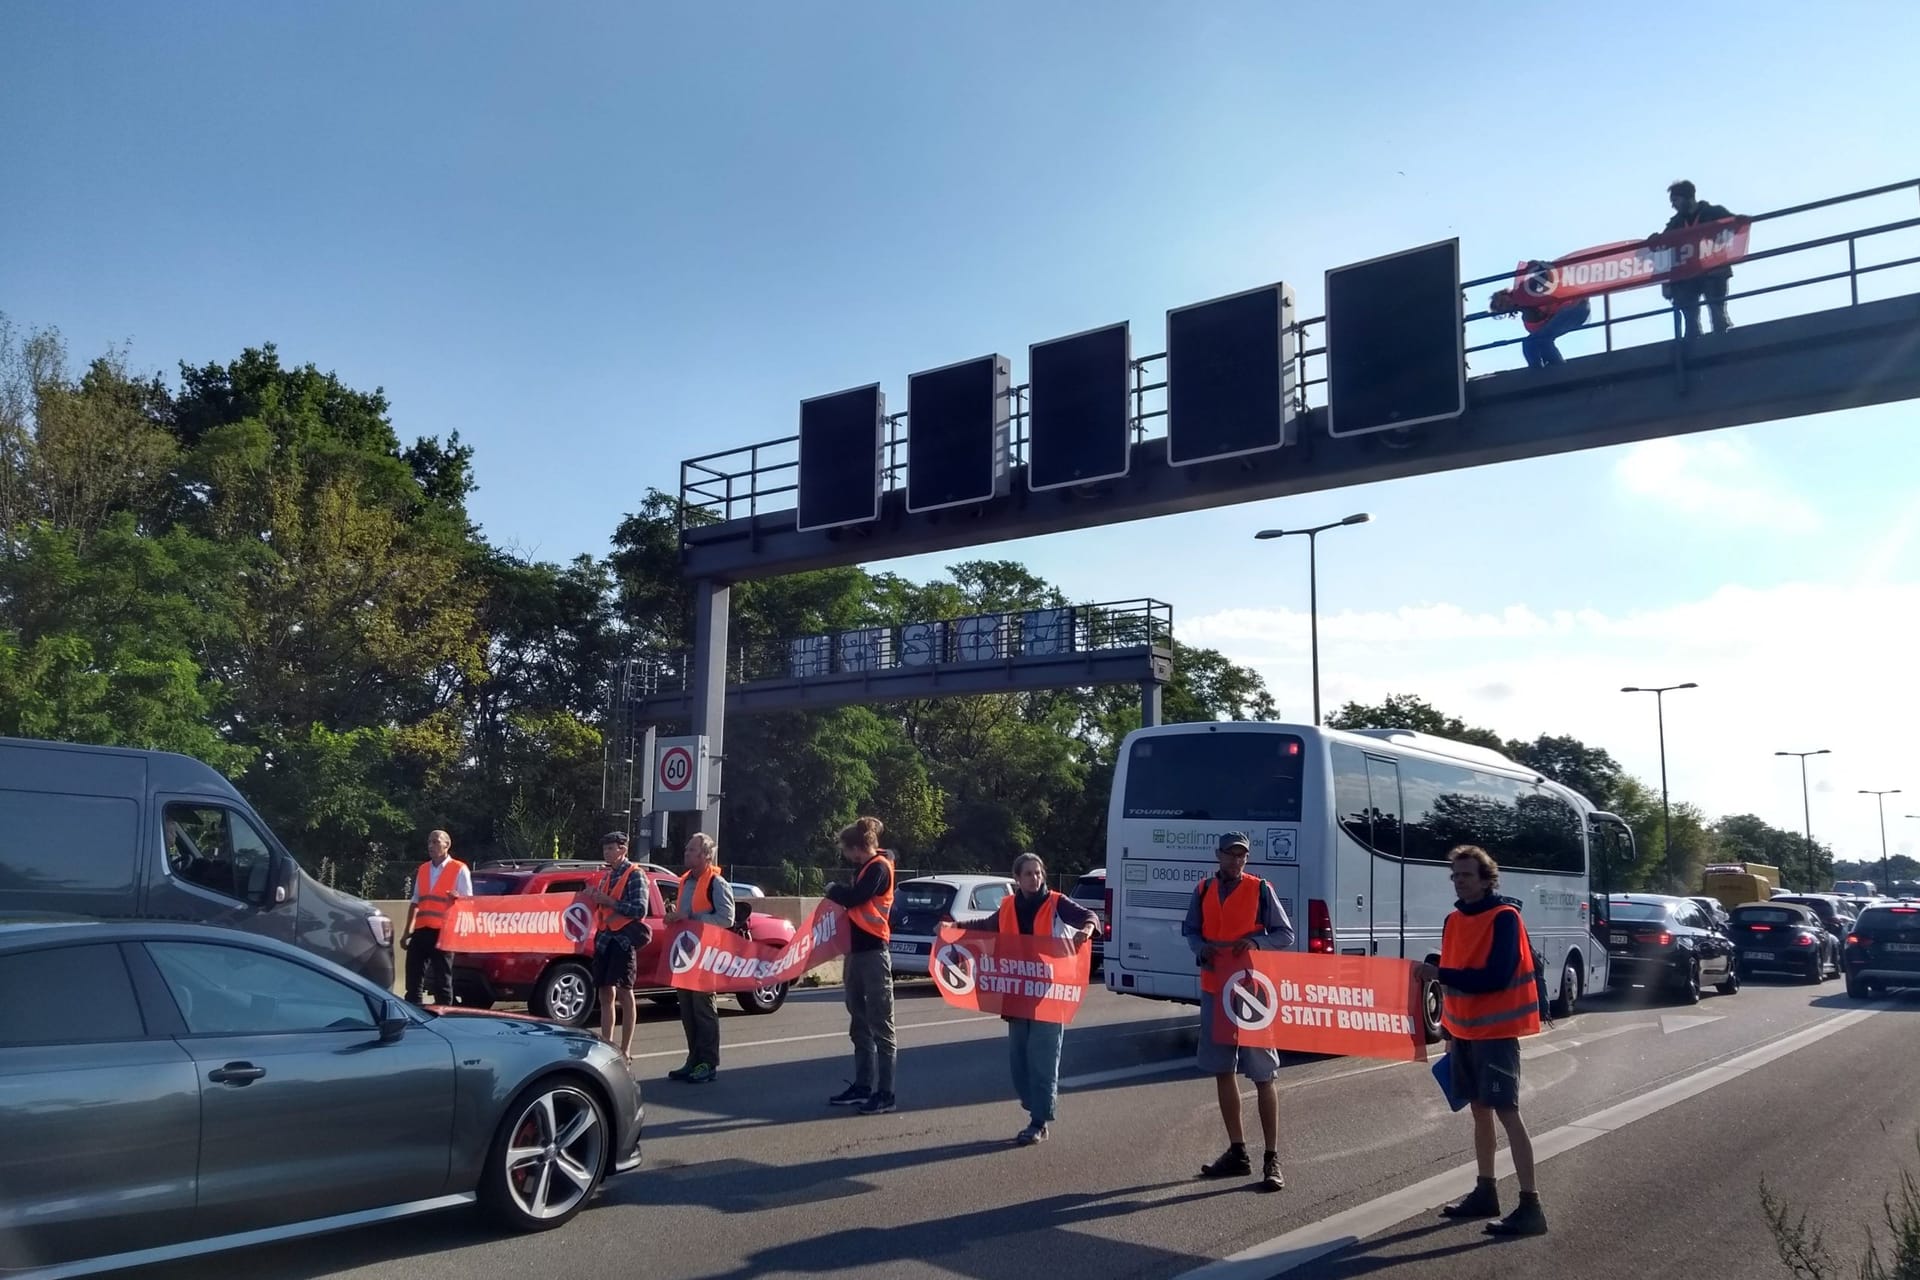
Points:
(174, 1090)
(1668, 943)
(1883, 950)
(1783, 936)
(1090, 891)
(1834, 916)
(1716, 912)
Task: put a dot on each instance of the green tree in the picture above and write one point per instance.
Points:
(1570, 762)
(1406, 711)
(1745, 837)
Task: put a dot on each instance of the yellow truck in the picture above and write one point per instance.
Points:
(1733, 883)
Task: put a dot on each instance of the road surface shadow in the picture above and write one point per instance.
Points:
(1904, 999)
(1001, 1242)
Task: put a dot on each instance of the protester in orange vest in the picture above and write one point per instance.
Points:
(1489, 999)
(1231, 914)
(869, 969)
(436, 883)
(1546, 318)
(1033, 1046)
(706, 898)
(620, 898)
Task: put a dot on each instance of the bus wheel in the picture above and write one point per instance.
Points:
(1569, 998)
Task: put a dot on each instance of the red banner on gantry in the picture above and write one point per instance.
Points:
(1633, 264)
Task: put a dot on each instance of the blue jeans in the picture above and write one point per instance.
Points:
(1033, 1051)
(1538, 346)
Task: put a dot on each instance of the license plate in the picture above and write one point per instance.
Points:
(1618, 940)
(909, 948)
(1756, 955)
(1901, 946)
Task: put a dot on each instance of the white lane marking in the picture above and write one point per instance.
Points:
(1316, 1240)
(1128, 1073)
(1541, 1048)
(822, 1035)
(1672, 1022)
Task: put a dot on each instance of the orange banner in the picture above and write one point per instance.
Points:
(1012, 974)
(1630, 264)
(705, 957)
(1353, 1006)
(538, 922)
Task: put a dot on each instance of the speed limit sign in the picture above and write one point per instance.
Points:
(680, 773)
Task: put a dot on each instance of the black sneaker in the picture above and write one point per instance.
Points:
(702, 1074)
(1482, 1202)
(851, 1096)
(680, 1073)
(1526, 1220)
(1271, 1179)
(877, 1104)
(1233, 1164)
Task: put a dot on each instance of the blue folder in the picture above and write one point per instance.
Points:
(1443, 1076)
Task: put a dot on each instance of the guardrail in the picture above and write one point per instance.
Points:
(734, 483)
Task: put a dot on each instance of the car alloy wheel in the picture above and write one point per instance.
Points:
(1690, 988)
(549, 1156)
(764, 1000)
(565, 995)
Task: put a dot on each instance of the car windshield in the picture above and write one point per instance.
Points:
(495, 885)
(1639, 911)
(1819, 906)
(1768, 915)
(1877, 920)
(923, 897)
(1091, 888)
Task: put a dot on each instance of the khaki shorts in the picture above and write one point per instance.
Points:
(1257, 1065)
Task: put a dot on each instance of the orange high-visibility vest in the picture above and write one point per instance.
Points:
(1042, 919)
(1229, 921)
(614, 886)
(871, 915)
(1465, 943)
(430, 909)
(704, 881)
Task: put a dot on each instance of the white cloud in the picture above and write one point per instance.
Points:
(1792, 667)
(1716, 480)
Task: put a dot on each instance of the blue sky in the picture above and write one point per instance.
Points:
(597, 239)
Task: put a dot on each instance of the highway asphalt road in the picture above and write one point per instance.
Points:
(1657, 1124)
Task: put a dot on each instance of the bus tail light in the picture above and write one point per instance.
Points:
(1106, 929)
(1319, 927)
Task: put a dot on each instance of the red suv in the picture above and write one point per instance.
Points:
(560, 987)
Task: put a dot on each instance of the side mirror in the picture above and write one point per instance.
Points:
(394, 1020)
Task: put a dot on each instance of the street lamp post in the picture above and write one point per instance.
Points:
(1880, 799)
(1660, 712)
(1313, 587)
(1806, 810)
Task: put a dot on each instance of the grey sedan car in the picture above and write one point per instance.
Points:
(170, 1090)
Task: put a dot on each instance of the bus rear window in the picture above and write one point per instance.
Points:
(1216, 777)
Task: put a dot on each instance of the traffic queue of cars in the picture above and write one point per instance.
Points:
(1677, 945)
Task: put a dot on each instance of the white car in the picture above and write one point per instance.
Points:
(923, 904)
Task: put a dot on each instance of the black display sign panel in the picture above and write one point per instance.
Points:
(1396, 351)
(840, 438)
(1078, 416)
(957, 434)
(1230, 375)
